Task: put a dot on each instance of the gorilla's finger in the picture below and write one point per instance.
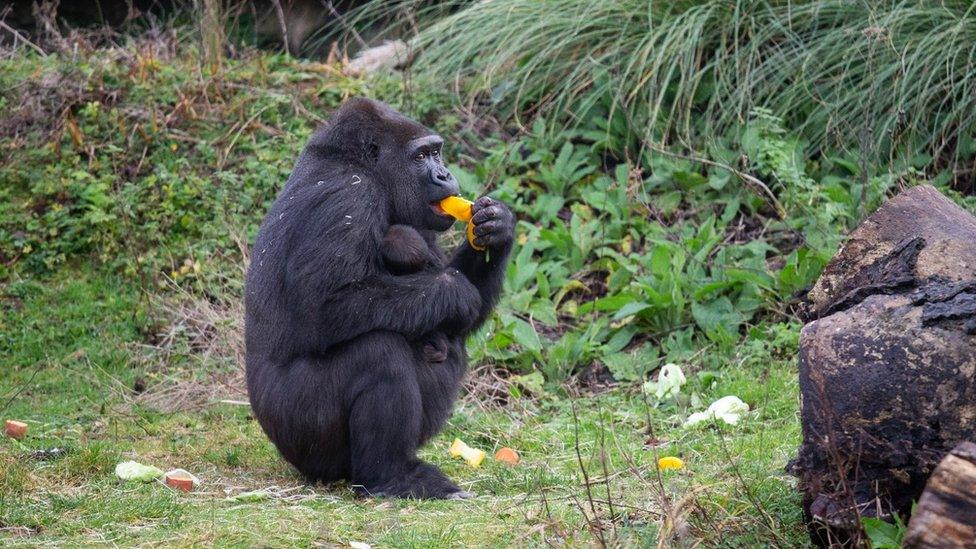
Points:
(482, 203)
(498, 237)
(487, 227)
(491, 212)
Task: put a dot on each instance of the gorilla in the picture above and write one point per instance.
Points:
(355, 320)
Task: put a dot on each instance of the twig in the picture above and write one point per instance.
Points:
(237, 134)
(606, 472)
(751, 180)
(20, 389)
(767, 520)
(755, 182)
(284, 26)
(342, 20)
(586, 475)
(22, 38)
(234, 402)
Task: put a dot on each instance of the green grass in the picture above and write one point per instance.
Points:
(878, 78)
(72, 339)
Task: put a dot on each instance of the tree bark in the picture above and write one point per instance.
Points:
(888, 366)
(946, 513)
(865, 260)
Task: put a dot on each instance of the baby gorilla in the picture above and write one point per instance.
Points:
(355, 320)
(404, 251)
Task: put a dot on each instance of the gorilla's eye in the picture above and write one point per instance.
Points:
(435, 153)
(420, 156)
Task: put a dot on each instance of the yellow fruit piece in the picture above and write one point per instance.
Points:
(669, 462)
(470, 232)
(457, 207)
(472, 456)
(507, 455)
(460, 209)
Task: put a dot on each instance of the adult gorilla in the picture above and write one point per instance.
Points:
(352, 365)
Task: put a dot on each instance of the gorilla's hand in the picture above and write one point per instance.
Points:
(494, 229)
(463, 300)
(494, 224)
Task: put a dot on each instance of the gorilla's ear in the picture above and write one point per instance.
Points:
(352, 133)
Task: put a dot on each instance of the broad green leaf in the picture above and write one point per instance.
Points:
(532, 383)
(631, 308)
(526, 336)
(717, 315)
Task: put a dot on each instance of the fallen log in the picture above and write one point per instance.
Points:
(888, 363)
(870, 261)
(946, 513)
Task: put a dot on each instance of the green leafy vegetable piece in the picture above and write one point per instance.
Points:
(133, 470)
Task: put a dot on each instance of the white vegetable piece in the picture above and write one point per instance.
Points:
(728, 409)
(253, 496)
(668, 384)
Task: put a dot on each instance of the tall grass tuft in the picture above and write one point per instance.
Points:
(887, 78)
(213, 34)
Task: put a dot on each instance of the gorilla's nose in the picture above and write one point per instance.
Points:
(446, 181)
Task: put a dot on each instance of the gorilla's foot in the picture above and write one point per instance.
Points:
(422, 481)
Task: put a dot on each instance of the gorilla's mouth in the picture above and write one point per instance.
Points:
(436, 206)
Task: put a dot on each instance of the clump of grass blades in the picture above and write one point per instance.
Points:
(889, 77)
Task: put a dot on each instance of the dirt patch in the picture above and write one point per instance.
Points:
(487, 387)
(196, 354)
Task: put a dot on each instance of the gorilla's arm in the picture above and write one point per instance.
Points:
(487, 275)
(332, 237)
(411, 305)
(494, 228)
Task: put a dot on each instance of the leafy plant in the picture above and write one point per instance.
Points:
(884, 535)
(127, 167)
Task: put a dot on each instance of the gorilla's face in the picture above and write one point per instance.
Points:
(422, 181)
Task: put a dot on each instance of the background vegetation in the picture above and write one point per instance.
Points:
(681, 172)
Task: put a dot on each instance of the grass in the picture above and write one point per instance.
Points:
(883, 79)
(70, 363)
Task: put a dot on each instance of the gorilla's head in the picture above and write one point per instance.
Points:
(403, 157)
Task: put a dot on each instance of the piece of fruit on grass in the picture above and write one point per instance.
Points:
(507, 455)
(473, 456)
(668, 463)
(15, 429)
(181, 479)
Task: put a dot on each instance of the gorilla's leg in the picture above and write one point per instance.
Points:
(385, 425)
(300, 407)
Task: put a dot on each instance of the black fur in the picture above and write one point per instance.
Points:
(355, 347)
(405, 251)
